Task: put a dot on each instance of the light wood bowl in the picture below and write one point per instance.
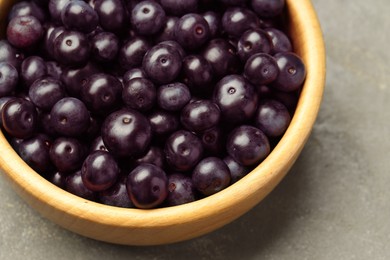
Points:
(173, 224)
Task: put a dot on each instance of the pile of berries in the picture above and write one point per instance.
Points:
(148, 103)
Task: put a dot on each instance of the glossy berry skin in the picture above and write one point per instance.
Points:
(222, 57)
(162, 64)
(167, 32)
(102, 93)
(183, 150)
(54, 69)
(280, 41)
(139, 94)
(261, 69)
(179, 7)
(197, 73)
(35, 152)
(45, 92)
(272, 117)
(58, 179)
(268, 8)
(19, 118)
(133, 74)
(126, 133)
(132, 52)
(99, 171)
(147, 186)
(232, 2)
(70, 117)
(155, 156)
(55, 8)
(236, 20)
(248, 145)
(3, 101)
(210, 176)
(200, 115)
(174, 44)
(116, 195)
(236, 98)
(24, 31)
(9, 78)
(192, 31)
(9, 54)
(253, 41)
(75, 79)
(72, 48)
(24, 8)
(112, 14)
(49, 39)
(67, 154)
(163, 122)
(105, 46)
(147, 17)
(79, 16)
(214, 21)
(75, 185)
(173, 97)
(237, 171)
(32, 68)
(292, 72)
(180, 189)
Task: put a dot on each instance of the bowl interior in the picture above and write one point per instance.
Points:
(168, 225)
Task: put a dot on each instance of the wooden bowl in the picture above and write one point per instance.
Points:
(173, 224)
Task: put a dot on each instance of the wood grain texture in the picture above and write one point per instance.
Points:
(173, 224)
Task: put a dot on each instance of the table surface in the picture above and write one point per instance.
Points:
(334, 203)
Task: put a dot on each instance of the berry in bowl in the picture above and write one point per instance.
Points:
(152, 122)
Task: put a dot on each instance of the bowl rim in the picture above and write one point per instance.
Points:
(153, 226)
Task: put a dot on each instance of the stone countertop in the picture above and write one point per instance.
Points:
(334, 203)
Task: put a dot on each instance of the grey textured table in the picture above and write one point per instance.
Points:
(334, 204)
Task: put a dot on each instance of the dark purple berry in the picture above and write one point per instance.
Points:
(272, 117)
(173, 97)
(268, 8)
(163, 122)
(33, 68)
(261, 69)
(236, 20)
(126, 133)
(280, 41)
(292, 72)
(200, 115)
(162, 63)
(67, 154)
(35, 152)
(210, 176)
(197, 73)
(237, 171)
(72, 48)
(253, 41)
(139, 94)
(192, 31)
(236, 98)
(79, 16)
(179, 7)
(147, 17)
(155, 156)
(24, 31)
(116, 195)
(9, 78)
(180, 189)
(102, 93)
(45, 92)
(105, 46)
(70, 117)
(183, 150)
(99, 171)
(248, 145)
(74, 184)
(132, 52)
(112, 14)
(147, 186)
(19, 118)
